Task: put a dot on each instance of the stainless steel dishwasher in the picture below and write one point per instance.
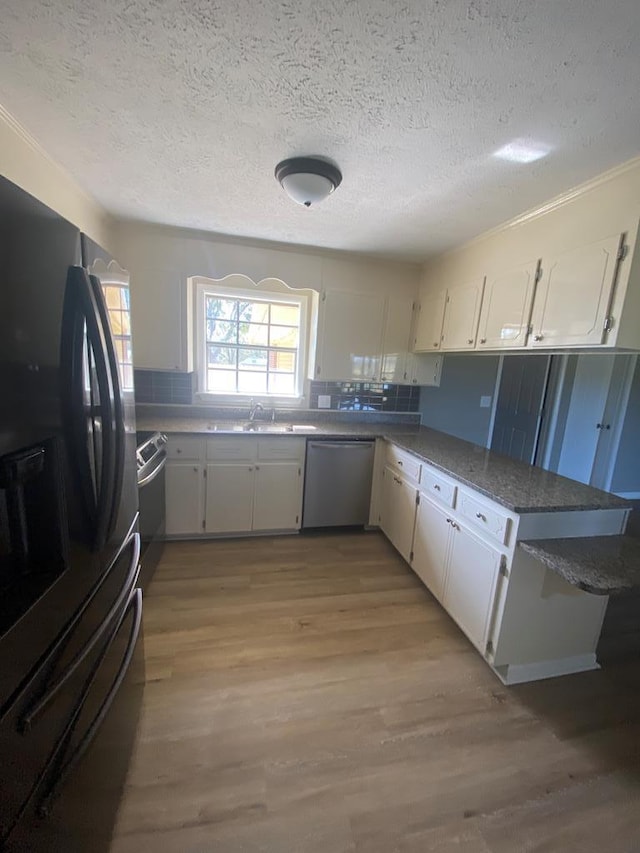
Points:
(337, 483)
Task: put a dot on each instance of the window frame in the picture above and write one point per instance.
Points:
(241, 287)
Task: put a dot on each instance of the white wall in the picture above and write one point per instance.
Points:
(161, 259)
(26, 164)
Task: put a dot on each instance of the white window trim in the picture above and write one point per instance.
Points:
(239, 287)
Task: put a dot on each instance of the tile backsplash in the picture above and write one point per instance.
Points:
(168, 386)
(163, 386)
(367, 396)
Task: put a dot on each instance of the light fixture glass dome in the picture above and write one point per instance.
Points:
(307, 180)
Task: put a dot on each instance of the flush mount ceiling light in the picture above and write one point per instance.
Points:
(308, 180)
(522, 151)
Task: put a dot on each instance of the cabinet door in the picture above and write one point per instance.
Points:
(398, 513)
(573, 297)
(470, 586)
(506, 308)
(429, 320)
(351, 337)
(277, 503)
(395, 344)
(184, 498)
(430, 546)
(229, 507)
(423, 369)
(461, 315)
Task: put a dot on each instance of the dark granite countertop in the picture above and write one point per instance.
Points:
(602, 565)
(515, 485)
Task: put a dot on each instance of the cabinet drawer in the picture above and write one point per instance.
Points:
(438, 487)
(185, 447)
(404, 462)
(281, 448)
(230, 448)
(483, 516)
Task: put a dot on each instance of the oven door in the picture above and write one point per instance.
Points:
(151, 498)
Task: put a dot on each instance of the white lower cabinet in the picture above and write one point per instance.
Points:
(459, 568)
(277, 498)
(470, 588)
(234, 485)
(229, 501)
(184, 482)
(431, 546)
(398, 510)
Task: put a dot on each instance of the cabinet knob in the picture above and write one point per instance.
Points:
(481, 516)
(538, 337)
(415, 381)
(469, 340)
(435, 344)
(437, 488)
(178, 450)
(483, 340)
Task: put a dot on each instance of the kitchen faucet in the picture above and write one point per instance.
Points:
(254, 408)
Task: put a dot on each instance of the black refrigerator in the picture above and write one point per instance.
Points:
(70, 602)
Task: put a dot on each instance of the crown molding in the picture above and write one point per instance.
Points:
(545, 208)
(25, 137)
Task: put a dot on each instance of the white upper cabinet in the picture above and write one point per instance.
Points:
(506, 307)
(428, 322)
(395, 343)
(367, 337)
(461, 315)
(573, 299)
(350, 336)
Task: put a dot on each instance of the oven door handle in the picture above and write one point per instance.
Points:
(151, 476)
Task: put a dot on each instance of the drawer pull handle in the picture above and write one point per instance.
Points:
(481, 516)
(436, 487)
(400, 462)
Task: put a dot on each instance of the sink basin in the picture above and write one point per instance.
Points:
(259, 426)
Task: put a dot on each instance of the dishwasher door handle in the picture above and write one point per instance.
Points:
(339, 445)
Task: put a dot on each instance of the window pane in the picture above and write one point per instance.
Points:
(126, 298)
(128, 355)
(221, 355)
(252, 383)
(221, 331)
(221, 380)
(112, 296)
(252, 358)
(282, 383)
(285, 315)
(250, 333)
(119, 347)
(126, 323)
(115, 321)
(284, 336)
(223, 309)
(282, 361)
(253, 312)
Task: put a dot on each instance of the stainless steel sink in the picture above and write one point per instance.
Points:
(258, 426)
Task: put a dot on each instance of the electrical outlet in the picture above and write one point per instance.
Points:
(324, 401)
(485, 402)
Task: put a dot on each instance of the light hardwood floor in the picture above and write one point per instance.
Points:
(306, 694)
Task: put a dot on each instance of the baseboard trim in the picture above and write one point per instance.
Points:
(519, 673)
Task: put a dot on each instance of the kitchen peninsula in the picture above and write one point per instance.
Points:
(456, 512)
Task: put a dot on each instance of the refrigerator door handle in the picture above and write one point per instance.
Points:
(65, 768)
(30, 716)
(80, 320)
(118, 409)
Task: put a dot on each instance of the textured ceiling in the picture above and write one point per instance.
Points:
(177, 111)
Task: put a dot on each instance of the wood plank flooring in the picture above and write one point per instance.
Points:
(306, 694)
